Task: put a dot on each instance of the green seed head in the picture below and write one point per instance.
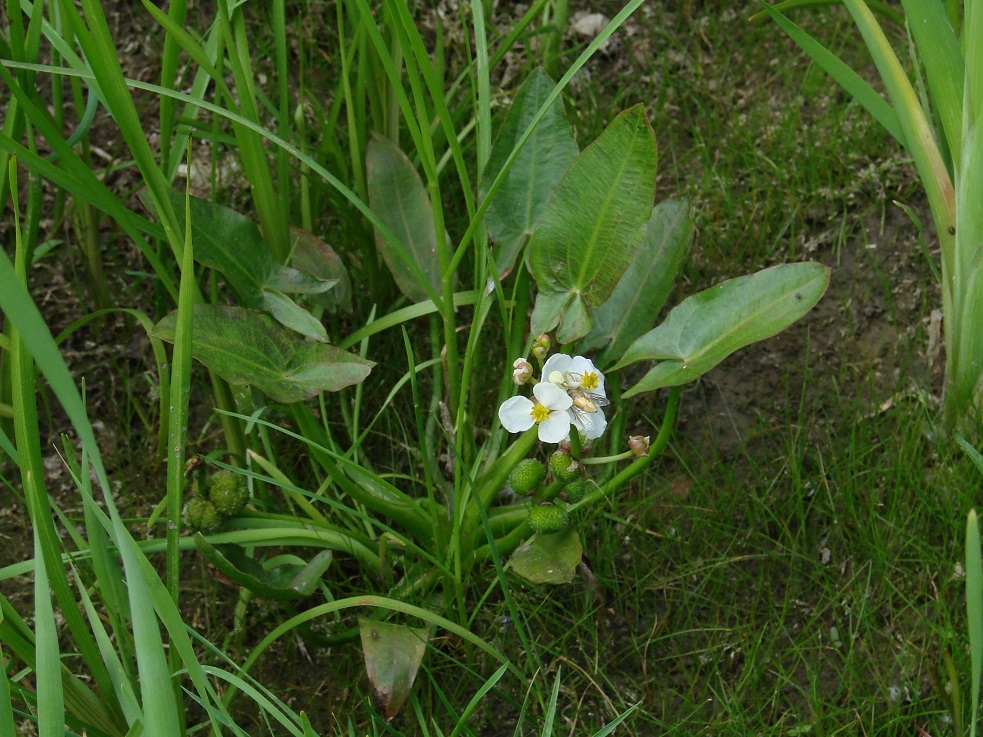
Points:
(526, 475)
(200, 514)
(577, 490)
(564, 467)
(227, 490)
(548, 517)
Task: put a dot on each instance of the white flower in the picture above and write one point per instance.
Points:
(574, 372)
(584, 384)
(550, 412)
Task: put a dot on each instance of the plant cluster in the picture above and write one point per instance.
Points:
(493, 236)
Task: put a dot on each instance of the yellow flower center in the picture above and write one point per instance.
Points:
(589, 381)
(539, 413)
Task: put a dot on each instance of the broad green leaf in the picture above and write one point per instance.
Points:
(529, 184)
(704, 329)
(593, 224)
(393, 653)
(312, 255)
(292, 315)
(399, 199)
(643, 290)
(247, 347)
(549, 558)
(285, 582)
(231, 243)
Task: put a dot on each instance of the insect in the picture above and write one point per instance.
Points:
(584, 405)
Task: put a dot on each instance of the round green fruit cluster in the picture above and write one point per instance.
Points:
(226, 494)
(564, 467)
(577, 490)
(547, 518)
(527, 475)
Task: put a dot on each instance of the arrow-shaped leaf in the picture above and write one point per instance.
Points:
(231, 243)
(284, 582)
(707, 327)
(393, 653)
(592, 226)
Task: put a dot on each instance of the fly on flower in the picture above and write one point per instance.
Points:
(584, 384)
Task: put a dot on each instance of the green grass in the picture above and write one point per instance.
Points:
(792, 567)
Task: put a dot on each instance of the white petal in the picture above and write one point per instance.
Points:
(555, 427)
(551, 396)
(514, 414)
(582, 366)
(581, 421)
(599, 423)
(557, 362)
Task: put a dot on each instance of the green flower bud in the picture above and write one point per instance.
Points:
(527, 475)
(547, 518)
(228, 491)
(564, 467)
(200, 514)
(577, 490)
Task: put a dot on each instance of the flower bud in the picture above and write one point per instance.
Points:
(522, 371)
(541, 346)
(639, 445)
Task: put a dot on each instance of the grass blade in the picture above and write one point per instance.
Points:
(848, 79)
(974, 613)
(944, 67)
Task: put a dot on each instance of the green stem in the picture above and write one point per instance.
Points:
(608, 459)
(656, 449)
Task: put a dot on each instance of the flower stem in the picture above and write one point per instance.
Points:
(658, 446)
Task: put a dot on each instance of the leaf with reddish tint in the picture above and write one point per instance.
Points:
(398, 197)
(312, 255)
(393, 653)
